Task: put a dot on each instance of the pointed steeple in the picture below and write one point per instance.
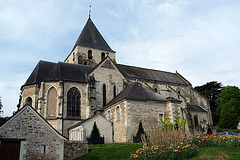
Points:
(91, 37)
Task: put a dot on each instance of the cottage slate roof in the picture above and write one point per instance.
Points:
(91, 37)
(195, 108)
(133, 72)
(69, 72)
(137, 91)
(39, 73)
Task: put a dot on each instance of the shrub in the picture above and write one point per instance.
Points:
(95, 131)
(140, 129)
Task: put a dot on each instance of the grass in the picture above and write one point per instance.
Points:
(218, 153)
(122, 151)
(111, 151)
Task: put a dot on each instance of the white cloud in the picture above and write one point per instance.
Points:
(200, 39)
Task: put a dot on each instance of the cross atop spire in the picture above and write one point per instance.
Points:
(89, 11)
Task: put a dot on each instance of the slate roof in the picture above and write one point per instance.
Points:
(69, 72)
(39, 73)
(195, 108)
(172, 99)
(137, 91)
(91, 37)
(132, 72)
(48, 71)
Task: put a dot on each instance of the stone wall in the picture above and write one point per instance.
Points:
(41, 140)
(110, 77)
(147, 112)
(74, 149)
(119, 125)
(83, 53)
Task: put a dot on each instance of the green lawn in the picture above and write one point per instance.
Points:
(216, 153)
(111, 151)
(122, 151)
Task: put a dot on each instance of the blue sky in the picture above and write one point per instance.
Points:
(198, 38)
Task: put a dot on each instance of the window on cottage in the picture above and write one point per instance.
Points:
(52, 102)
(85, 63)
(44, 149)
(160, 116)
(73, 102)
(155, 89)
(28, 101)
(118, 113)
(104, 94)
(114, 91)
(102, 56)
(196, 120)
(90, 54)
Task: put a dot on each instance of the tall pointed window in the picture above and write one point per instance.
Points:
(73, 102)
(118, 113)
(52, 102)
(114, 91)
(90, 54)
(109, 115)
(104, 94)
(196, 120)
(102, 56)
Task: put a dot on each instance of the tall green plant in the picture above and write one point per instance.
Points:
(95, 131)
(140, 129)
(178, 123)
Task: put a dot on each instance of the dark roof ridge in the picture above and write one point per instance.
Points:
(147, 68)
(137, 91)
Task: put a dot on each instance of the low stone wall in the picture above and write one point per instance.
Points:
(74, 149)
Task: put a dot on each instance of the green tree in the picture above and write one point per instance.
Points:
(140, 129)
(229, 107)
(95, 131)
(211, 90)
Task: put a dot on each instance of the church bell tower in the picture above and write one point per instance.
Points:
(90, 48)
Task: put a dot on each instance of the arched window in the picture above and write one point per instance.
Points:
(196, 120)
(90, 54)
(73, 102)
(102, 56)
(109, 115)
(52, 102)
(155, 89)
(28, 101)
(114, 91)
(118, 113)
(104, 94)
(85, 63)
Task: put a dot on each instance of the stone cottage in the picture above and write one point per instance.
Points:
(91, 81)
(82, 130)
(38, 138)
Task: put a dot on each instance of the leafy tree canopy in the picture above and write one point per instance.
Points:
(229, 107)
(211, 91)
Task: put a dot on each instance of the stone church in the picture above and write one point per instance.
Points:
(91, 84)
